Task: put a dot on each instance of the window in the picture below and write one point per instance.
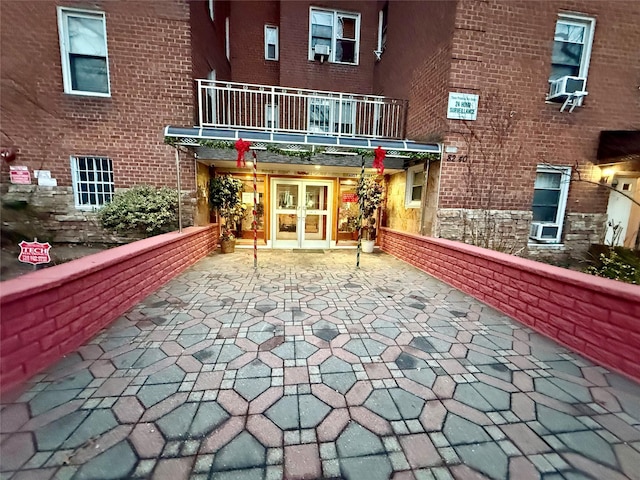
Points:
(572, 46)
(83, 47)
(92, 181)
(227, 46)
(338, 31)
(383, 20)
(210, 115)
(271, 116)
(415, 183)
(332, 116)
(549, 202)
(270, 42)
(212, 9)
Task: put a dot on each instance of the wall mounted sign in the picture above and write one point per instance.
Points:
(19, 175)
(349, 198)
(462, 106)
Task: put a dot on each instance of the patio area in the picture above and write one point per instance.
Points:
(308, 368)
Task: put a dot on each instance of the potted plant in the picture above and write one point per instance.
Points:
(352, 226)
(369, 198)
(224, 196)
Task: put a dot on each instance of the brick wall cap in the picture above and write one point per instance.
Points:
(605, 286)
(58, 275)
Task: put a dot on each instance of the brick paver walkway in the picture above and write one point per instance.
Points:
(309, 368)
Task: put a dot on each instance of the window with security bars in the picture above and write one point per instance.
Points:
(92, 181)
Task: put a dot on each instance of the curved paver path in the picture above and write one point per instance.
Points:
(309, 368)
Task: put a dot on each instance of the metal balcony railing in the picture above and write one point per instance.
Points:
(281, 109)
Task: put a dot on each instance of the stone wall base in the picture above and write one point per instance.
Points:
(49, 213)
(502, 230)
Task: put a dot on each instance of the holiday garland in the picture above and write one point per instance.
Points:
(303, 154)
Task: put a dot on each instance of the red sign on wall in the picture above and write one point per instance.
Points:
(34, 252)
(19, 175)
(349, 198)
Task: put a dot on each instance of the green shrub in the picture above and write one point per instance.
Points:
(618, 267)
(141, 210)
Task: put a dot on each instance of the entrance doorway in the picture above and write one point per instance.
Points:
(301, 213)
(623, 217)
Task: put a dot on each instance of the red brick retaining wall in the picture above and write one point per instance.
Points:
(597, 317)
(51, 312)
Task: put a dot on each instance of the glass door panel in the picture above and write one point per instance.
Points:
(286, 202)
(315, 213)
(301, 213)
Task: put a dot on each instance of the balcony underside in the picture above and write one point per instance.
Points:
(314, 149)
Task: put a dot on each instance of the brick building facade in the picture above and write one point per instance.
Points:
(519, 151)
(153, 51)
(502, 52)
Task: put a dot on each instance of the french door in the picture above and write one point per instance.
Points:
(301, 213)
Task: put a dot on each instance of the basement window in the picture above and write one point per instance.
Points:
(93, 184)
(550, 193)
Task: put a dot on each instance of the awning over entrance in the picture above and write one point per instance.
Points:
(618, 146)
(325, 149)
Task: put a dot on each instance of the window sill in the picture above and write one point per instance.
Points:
(88, 94)
(546, 246)
(412, 205)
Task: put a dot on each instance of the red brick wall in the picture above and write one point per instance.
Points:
(248, 65)
(51, 312)
(504, 49)
(207, 40)
(247, 42)
(597, 317)
(150, 65)
(415, 63)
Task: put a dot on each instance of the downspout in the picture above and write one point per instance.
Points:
(179, 194)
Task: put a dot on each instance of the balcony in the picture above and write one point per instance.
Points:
(295, 110)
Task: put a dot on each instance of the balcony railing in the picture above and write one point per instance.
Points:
(281, 109)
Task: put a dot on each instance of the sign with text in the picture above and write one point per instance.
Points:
(462, 106)
(34, 252)
(19, 175)
(349, 198)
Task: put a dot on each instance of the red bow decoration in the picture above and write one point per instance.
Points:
(242, 147)
(378, 161)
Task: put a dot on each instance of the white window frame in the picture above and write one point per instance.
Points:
(268, 109)
(211, 96)
(565, 180)
(63, 32)
(227, 45)
(589, 23)
(334, 37)
(409, 202)
(212, 5)
(77, 180)
(266, 44)
(334, 113)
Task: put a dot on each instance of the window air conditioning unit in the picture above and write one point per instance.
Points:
(324, 50)
(565, 87)
(543, 232)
